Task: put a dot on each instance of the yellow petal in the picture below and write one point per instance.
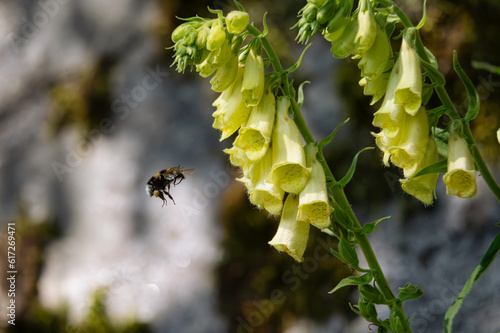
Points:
(409, 89)
(460, 179)
(292, 235)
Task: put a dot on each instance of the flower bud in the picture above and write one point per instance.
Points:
(201, 39)
(231, 110)
(289, 162)
(292, 235)
(376, 87)
(253, 79)
(423, 187)
(225, 75)
(409, 89)
(460, 179)
(264, 194)
(374, 61)
(344, 45)
(325, 12)
(237, 21)
(317, 3)
(255, 135)
(367, 30)
(216, 37)
(413, 143)
(182, 30)
(314, 207)
(310, 12)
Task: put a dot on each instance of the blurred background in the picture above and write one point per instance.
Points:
(90, 109)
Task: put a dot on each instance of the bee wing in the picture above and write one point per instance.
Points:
(188, 171)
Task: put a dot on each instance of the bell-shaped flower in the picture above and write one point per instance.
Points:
(367, 28)
(376, 87)
(292, 235)
(423, 187)
(231, 109)
(225, 75)
(409, 89)
(255, 135)
(374, 61)
(253, 79)
(460, 179)
(290, 170)
(314, 207)
(412, 144)
(261, 193)
(237, 21)
(217, 36)
(237, 157)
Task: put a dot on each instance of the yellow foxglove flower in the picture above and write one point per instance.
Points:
(413, 142)
(375, 87)
(216, 37)
(344, 46)
(255, 135)
(314, 207)
(409, 89)
(237, 21)
(292, 235)
(374, 61)
(423, 187)
(367, 28)
(238, 158)
(264, 194)
(460, 179)
(225, 75)
(289, 162)
(253, 79)
(232, 112)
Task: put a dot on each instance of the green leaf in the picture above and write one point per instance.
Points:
(368, 228)
(300, 97)
(264, 24)
(353, 281)
(329, 138)
(436, 76)
(337, 255)
(240, 7)
(347, 178)
(438, 112)
(474, 104)
(486, 261)
(438, 167)
(424, 17)
(373, 294)
(441, 137)
(486, 66)
(409, 291)
(297, 64)
(348, 253)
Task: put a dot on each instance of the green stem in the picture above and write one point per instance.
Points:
(337, 191)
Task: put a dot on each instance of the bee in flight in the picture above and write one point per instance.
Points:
(159, 184)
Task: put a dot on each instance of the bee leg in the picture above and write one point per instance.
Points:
(166, 192)
(178, 179)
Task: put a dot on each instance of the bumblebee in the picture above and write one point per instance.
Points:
(159, 184)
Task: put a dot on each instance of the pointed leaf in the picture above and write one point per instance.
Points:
(266, 29)
(300, 97)
(473, 110)
(347, 178)
(486, 261)
(337, 255)
(436, 76)
(438, 167)
(441, 137)
(329, 138)
(424, 17)
(297, 64)
(409, 291)
(240, 7)
(373, 294)
(438, 112)
(368, 228)
(486, 66)
(353, 281)
(348, 253)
